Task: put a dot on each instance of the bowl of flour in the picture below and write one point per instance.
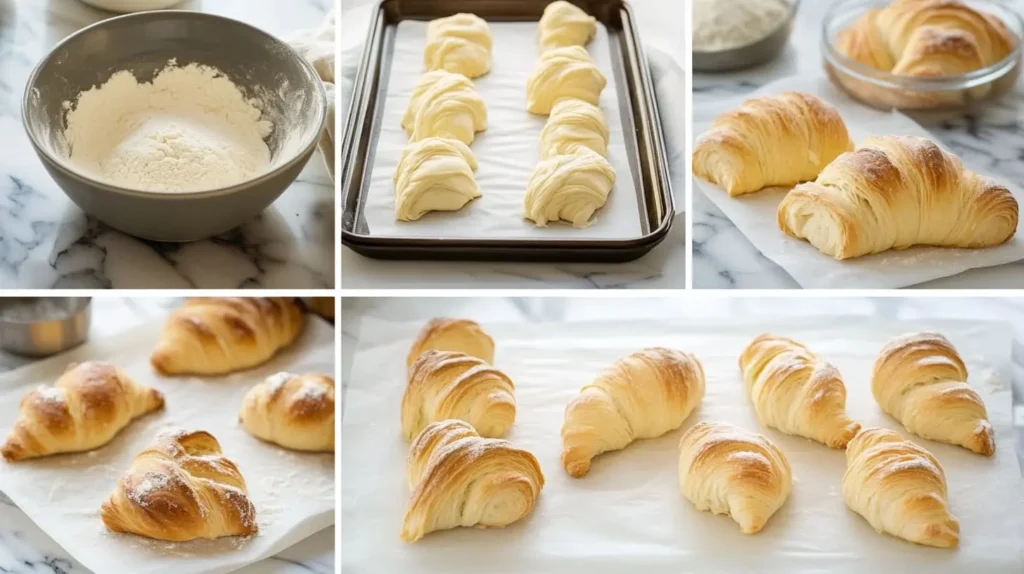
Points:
(174, 125)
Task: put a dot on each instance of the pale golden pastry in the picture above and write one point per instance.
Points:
(84, 409)
(573, 124)
(459, 335)
(564, 24)
(563, 73)
(728, 470)
(568, 188)
(644, 395)
(919, 379)
(894, 193)
(181, 488)
(452, 385)
(294, 411)
(434, 174)
(460, 44)
(796, 391)
(460, 479)
(899, 488)
(445, 105)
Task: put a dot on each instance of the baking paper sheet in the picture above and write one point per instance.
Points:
(755, 214)
(507, 152)
(628, 514)
(293, 492)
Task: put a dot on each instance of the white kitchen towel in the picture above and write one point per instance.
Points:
(318, 46)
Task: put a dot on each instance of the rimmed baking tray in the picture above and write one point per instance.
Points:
(637, 107)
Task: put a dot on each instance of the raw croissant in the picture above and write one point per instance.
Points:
(461, 479)
(563, 73)
(893, 193)
(568, 188)
(87, 406)
(294, 411)
(899, 488)
(179, 489)
(796, 391)
(445, 105)
(434, 174)
(460, 44)
(771, 141)
(573, 124)
(728, 470)
(919, 380)
(564, 24)
(644, 395)
(214, 336)
(451, 385)
(460, 335)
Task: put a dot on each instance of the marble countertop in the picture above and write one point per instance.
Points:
(26, 549)
(48, 242)
(724, 258)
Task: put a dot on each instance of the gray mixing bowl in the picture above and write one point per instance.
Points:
(143, 43)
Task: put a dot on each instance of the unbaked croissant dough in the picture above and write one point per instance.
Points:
(573, 124)
(294, 411)
(919, 380)
(564, 24)
(460, 44)
(727, 470)
(460, 335)
(569, 188)
(434, 174)
(563, 73)
(445, 105)
(771, 141)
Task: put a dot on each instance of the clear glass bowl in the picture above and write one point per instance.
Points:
(887, 91)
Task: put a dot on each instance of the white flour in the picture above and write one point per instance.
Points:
(190, 129)
(724, 24)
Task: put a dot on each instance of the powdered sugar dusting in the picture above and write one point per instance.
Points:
(50, 394)
(276, 381)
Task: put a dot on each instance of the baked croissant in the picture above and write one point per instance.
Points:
(84, 409)
(564, 24)
(219, 335)
(796, 391)
(899, 488)
(294, 411)
(562, 73)
(728, 470)
(644, 395)
(894, 193)
(573, 124)
(460, 335)
(434, 174)
(460, 44)
(460, 479)
(451, 385)
(771, 141)
(568, 188)
(179, 489)
(445, 105)
(919, 380)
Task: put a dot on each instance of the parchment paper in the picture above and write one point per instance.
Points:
(293, 492)
(628, 514)
(507, 152)
(755, 214)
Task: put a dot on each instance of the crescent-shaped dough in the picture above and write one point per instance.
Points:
(564, 24)
(434, 174)
(563, 73)
(445, 105)
(573, 124)
(294, 411)
(569, 188)
(458, 335)
(460, 44)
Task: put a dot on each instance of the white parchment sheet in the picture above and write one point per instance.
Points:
(755, 214)
(628, 514)
(293, 492)
(507, 152)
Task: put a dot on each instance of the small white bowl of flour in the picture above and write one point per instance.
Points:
(733, 34)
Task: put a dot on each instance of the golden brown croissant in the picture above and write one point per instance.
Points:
(728, 470)
(899, 488)
(214, 336)
(461, 335)
(771, 141)
(181, 488)
(796, 391)
(450, 385)
(294, 411)
(644, 395)
(894, 193)
(461, 479)
(919, 380)
(87, 406)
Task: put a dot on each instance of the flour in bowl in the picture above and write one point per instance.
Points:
(190, 129)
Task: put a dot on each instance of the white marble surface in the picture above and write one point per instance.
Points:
(723, 258)
(47, 242)
(26, 549)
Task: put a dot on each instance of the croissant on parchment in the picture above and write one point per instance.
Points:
(728, 470)
(460, 335)
(796, 391)
(899, 488)
(460, 479)
(919, 379)
(771, 141)
(564, 24)
(294, 411)
(181, 488)
(84, 409)
(215, 336)
(644, 395)
(460, 44)
(563, 73)
(894, 193)
(445, 105)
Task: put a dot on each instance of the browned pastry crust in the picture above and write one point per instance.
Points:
(294, 411)
(444, 334)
